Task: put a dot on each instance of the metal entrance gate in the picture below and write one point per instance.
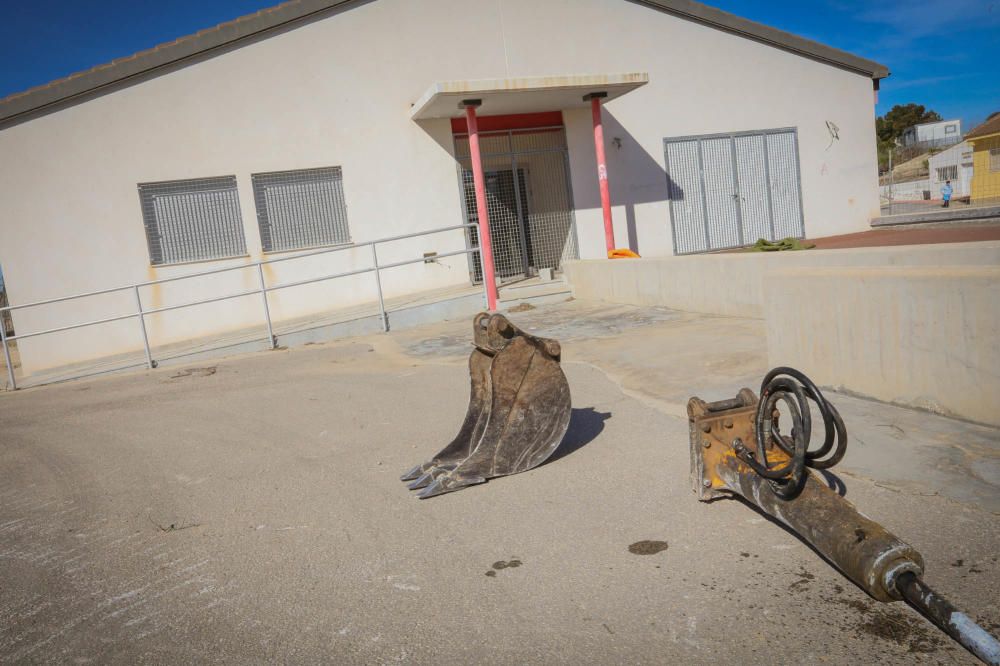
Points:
(529, 200)
(729, 190)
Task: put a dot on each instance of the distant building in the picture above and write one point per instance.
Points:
(954, 164)
(940, 133)
(985, 141)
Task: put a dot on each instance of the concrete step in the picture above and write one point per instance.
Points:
(534, 292)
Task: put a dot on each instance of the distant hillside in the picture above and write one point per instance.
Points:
(912, 169)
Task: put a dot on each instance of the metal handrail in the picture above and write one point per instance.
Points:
(327, 250)
(263, 290)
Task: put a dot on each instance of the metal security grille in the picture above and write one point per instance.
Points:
(192, 220)
(300, 209)
(729, 190)
(532, 224)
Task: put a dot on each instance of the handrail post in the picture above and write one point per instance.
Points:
(378, 284)
(6, 353)
(142, 326)
(271, 340)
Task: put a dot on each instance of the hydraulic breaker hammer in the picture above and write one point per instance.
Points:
(737, 448)
(518, 411)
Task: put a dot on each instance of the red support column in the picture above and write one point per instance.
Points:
(602, 167)
(482, 212)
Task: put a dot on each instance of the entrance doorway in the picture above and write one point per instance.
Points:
(729, 190)
(526, 169)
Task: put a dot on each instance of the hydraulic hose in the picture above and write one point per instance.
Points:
(795, 390)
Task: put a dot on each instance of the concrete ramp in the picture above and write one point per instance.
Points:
(913, 325)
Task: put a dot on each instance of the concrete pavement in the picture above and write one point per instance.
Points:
(248, 511)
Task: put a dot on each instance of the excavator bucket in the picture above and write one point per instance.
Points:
(518, 412)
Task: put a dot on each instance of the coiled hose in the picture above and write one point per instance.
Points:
(795, 390)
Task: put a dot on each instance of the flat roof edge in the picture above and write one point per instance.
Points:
(937, 122)
(476, 88)
(787, 41)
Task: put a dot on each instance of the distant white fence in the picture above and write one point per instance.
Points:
(909, 191)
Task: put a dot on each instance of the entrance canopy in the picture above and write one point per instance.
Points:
(523, 95)
(518, 99)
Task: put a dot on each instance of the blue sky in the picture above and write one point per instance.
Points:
(944, 57)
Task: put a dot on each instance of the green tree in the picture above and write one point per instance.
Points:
(902, 116)
(890, 127)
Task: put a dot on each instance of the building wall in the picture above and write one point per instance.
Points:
(985, 182)
(958, 156)
(701, 81)
(939, 132)
(338, 91)
(934, 133)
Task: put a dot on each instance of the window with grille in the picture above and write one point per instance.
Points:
(947, 173)
(300, 209)
(994, 159)
(192, 220)
(950, 129)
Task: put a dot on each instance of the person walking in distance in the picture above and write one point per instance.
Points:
(946, 193)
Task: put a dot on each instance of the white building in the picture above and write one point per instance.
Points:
(954, 164)
(323, 122)
(940, 133)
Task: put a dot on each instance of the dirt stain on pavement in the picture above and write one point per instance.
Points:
(883, 621)
(500, 565)
(648, 547)
(512, 564)
(903, 630)
(804, 579)
(196, 372)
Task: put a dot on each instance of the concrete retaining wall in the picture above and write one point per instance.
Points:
(733, 284)
(924, 337)
(909, 191)
(915, 325)
(938, 215)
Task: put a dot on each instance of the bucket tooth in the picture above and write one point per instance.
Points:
(422, 481)
(430, 475)
(447, 484)
(413, 473)
(519, 410)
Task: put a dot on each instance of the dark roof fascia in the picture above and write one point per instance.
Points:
(61, 91)
(984, 129)
(786, 41)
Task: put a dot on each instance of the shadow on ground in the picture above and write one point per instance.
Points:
(834, 482)
(584, 427)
